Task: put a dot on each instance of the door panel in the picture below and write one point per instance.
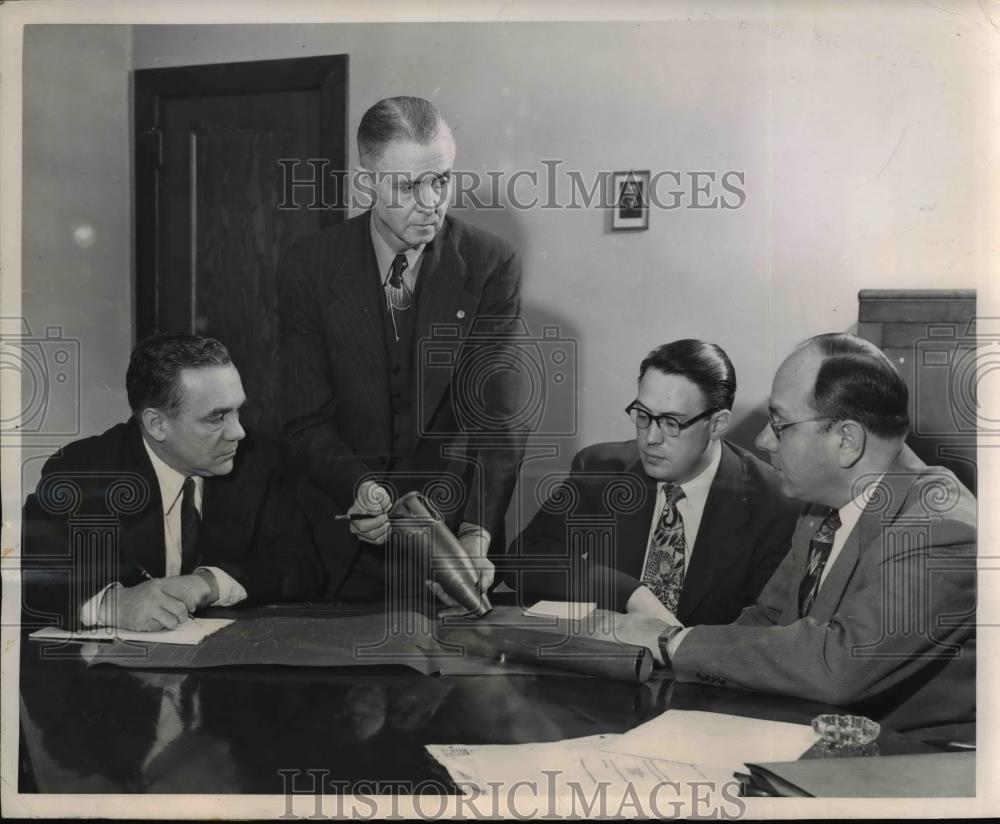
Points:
(209, 230)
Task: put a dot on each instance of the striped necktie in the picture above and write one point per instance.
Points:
(819, 552)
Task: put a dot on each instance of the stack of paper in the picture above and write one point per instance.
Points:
(661, 759)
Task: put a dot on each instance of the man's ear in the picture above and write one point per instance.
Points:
(154, 422)
(853, 439)
(720, 423)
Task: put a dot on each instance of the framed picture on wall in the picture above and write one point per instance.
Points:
(630, 199)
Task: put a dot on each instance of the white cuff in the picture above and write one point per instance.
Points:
(90, 612)
(676, 641)
(231, 591)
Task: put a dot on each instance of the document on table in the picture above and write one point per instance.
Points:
(189, 633)
(563, 774)
(566, 610)
(715, 739)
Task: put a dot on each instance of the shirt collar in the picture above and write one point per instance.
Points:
(170, 480)
(697, 488)
(850, 512)
(384, 254)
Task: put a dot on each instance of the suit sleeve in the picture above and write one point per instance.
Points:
(498, 452)
(64, 564)
(309, 398)
(281, 564)
(896, 617)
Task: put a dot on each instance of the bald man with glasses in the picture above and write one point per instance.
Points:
(677, 523)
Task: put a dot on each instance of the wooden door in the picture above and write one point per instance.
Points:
(217, 149)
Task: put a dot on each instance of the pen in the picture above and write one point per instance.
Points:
(143, 572)
(356, 516)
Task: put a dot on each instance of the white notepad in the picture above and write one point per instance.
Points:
(190, 633)
(567, 610)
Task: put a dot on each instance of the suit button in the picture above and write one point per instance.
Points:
(396, 396)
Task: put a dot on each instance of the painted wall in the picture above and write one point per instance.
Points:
(76, 263)
(859, 129)
(856, 128)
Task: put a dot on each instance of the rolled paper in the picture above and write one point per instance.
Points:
(435, 548)
(554, 650)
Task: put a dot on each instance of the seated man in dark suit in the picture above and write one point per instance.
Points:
(699, 524)
(178, 509)
(874, 606)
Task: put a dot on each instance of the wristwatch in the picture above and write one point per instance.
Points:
(664, 641)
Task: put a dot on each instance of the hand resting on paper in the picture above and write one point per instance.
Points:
(150, 606)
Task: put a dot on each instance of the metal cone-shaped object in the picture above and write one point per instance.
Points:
(435, 549)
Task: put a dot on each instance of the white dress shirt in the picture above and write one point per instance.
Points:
(849, 514)
(384, 256)
(171, 483)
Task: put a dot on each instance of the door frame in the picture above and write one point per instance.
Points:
(326, 74)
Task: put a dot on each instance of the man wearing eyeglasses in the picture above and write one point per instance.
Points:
(378, 316)
(873, 609)
(677, 523)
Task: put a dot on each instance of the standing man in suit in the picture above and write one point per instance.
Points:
(178, 509)
(395, 336)
(706, 523)
(874, 607)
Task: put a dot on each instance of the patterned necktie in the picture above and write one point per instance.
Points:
(397, 292)
(819, 552)
(190, 526)
(664, 571)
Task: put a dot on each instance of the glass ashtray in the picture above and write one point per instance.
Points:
(846, 730)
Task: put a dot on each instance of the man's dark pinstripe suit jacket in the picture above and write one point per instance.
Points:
(337, 409)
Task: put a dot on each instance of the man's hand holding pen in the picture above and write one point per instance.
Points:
(157, 603)
(369, 516)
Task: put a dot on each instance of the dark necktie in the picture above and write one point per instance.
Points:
(664, 570)
(398, 293)
(190, 526)
(819, 553)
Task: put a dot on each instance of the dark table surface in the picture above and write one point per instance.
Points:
(251, 729)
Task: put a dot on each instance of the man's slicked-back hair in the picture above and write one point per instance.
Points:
(397, 118)
(704, 364)
(153, 379)
(856, 381)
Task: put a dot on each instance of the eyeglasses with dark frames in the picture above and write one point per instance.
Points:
(668, 424)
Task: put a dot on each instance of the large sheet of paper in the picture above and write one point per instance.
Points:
(189, 633)
(715, 739)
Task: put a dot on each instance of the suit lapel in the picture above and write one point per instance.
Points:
(355, 321)
(806, 527)
(141, 535)
(633, 530)
(881, 510)
(726, 511)
(445, 309)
